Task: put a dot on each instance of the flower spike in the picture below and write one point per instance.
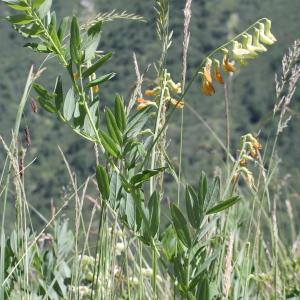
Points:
(244, 46)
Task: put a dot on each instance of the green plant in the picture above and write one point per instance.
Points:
(130, 175)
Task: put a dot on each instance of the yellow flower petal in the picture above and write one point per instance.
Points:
(228, 66)
(176, 103)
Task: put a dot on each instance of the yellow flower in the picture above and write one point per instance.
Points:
(265, 37)
(259, 47)
(177, 103)
(153, 92)
(144, 103)
(206, 70)
(268, 30)
(207, 87)
(217, 71)
(239, 53)
(96, 89)
(227, 65)
(247, 44)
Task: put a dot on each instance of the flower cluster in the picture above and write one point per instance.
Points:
(169, 88)
(240, 51)
(249, 152)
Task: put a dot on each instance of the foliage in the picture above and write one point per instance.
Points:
(205, 250)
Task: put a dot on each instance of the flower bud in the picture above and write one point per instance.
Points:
(264, 38)
(239, 53)
(268, 30)
(256, 37)
(247, 44)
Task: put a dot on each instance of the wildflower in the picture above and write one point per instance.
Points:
(265, 37)
(227, 65)
(175, 87)
(259, 47)
(96, 89)
(244, 159)
(268, 30)
(248, 176)
(144, 103)
(152, 92)
(207, 87)
(247, 44)
(217, 71)
(239, 52)
(177, 103)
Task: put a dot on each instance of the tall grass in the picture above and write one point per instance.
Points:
(221, 239)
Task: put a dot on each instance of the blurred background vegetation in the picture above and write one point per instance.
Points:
(252, 90)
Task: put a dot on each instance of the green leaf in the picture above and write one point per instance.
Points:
(41, 91)
(88, 128)
(202, 190)
(203, 267)
(75, 43)
(37, 3)
(62, 30)
(95, 29)
(103, 182)
(47, 105)
(138, 179)
(45, 98)
(213, 194)
(154, 213)
(44, 8)
(16, 5)
(120, 113)
(193, 209)
(112, 127)
(223, 205)
(169, 242)
(102, 79)
(92, 69)
(203, 290)
(180, 226)
(91, 42)
(69, 105)
(130, 211)
(40, 48)
(59, 95)
(20, 19)
(109, 144)
(137, 122)
(115, 187)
